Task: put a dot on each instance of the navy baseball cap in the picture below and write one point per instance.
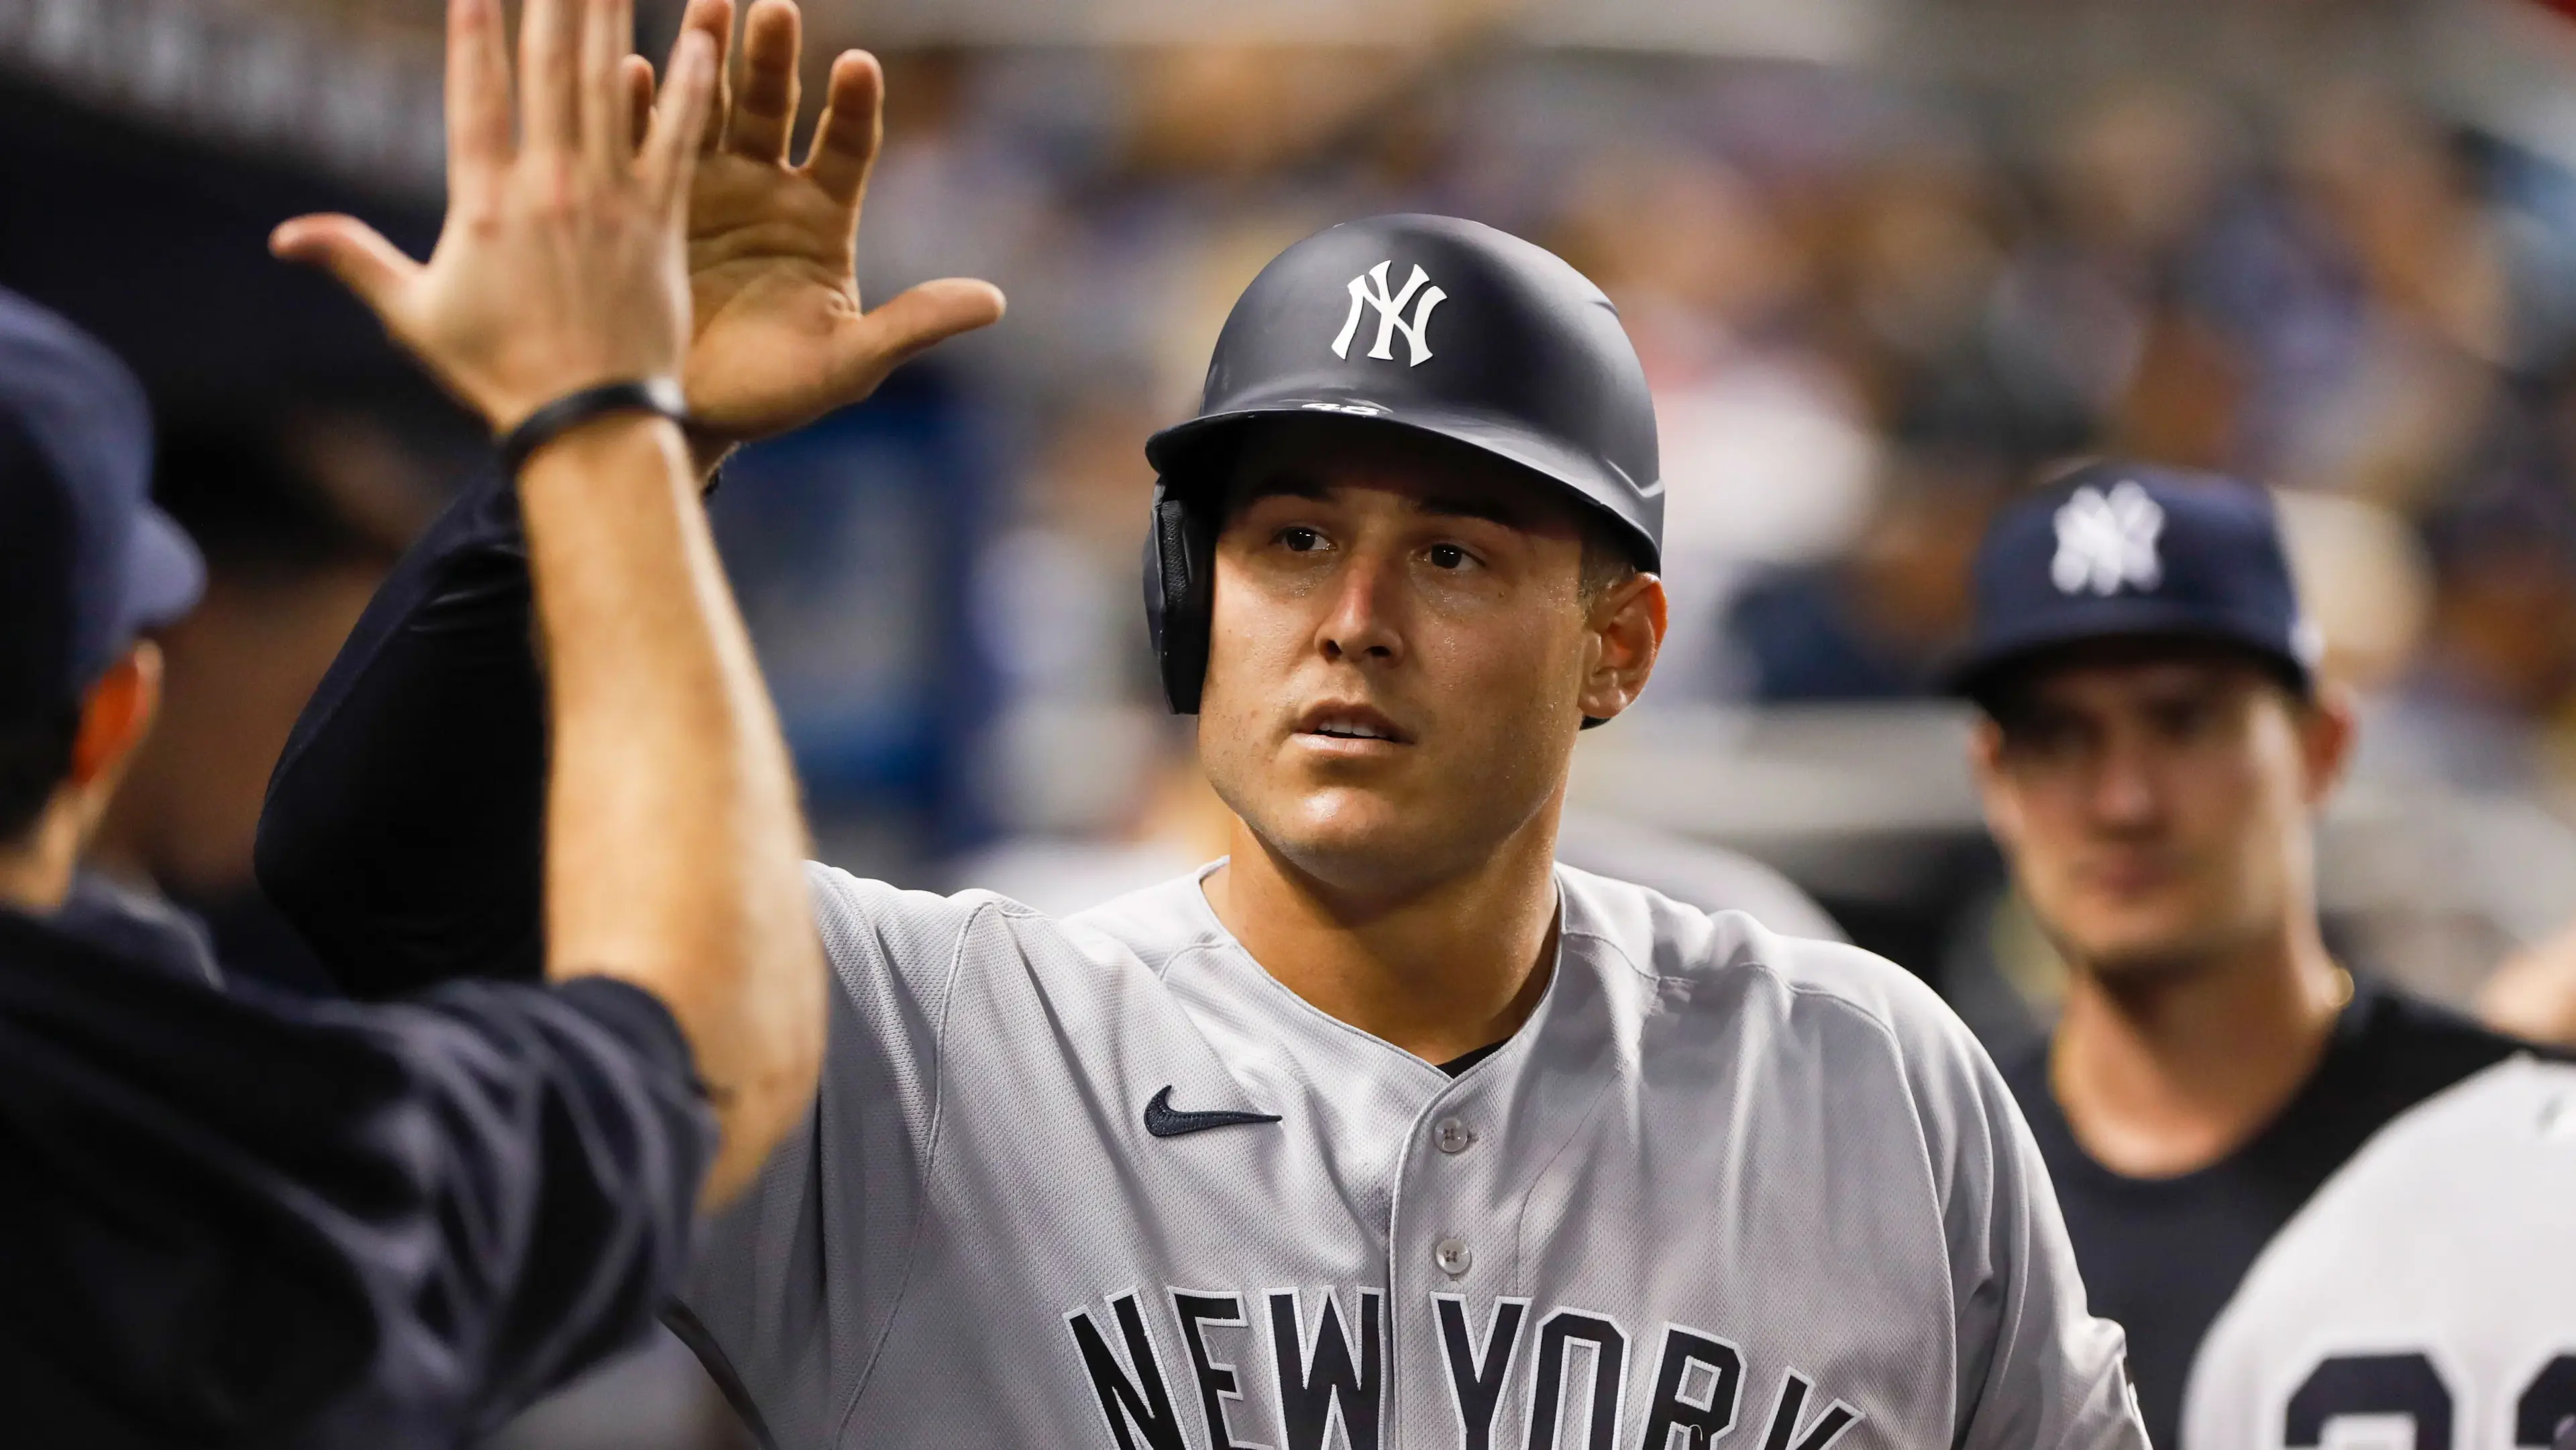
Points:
(2119, 550)
(86, 561)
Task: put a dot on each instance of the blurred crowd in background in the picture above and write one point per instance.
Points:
(1873, 307)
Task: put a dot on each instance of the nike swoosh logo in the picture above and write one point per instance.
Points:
(1165, 1121)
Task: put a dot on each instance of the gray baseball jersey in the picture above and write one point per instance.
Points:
(1104, 1182)
(2425, 1296)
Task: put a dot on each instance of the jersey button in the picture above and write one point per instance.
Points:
(1452, 1255)
(1452, 1136)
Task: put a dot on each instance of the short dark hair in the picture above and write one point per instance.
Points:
(35, 759)
(1609, 556)
(2005, 693)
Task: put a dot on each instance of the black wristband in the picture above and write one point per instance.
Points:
(660, 396)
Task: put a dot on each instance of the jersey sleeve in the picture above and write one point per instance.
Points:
(2036, 1370)
(403, 832)
(798, 1278)
(346, 1221)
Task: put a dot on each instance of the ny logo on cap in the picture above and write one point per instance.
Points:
(2106, 541)
(1369, 290)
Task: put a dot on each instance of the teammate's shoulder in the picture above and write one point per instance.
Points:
(2488, 1148)
(2522, 1096)
(2414, 1048)
(1665, 938)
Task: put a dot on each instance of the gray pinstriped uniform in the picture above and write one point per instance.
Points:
(1725, 1187)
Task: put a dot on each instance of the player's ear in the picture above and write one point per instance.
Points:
(116, 717)
(2329, 724)
(1994, 794)
(1627, 624)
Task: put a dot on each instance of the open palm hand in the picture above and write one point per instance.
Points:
(780, 336)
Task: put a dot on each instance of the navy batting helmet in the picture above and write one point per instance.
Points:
(1427, 323)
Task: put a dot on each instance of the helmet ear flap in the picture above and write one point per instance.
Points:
(1179, 562)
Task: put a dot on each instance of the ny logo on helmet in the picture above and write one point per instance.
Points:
(2106, 541)
(1369, 290)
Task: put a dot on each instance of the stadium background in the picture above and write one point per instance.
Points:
(1882, 258)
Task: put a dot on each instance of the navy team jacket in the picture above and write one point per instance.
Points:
(237, 1218)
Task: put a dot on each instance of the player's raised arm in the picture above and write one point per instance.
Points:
(403, 826)
(556, 306)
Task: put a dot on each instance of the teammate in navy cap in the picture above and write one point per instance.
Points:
(87, 564)
(229, 1217)
(2154, 748)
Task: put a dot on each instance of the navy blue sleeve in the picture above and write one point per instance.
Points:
(251, 1219)
(403, 833)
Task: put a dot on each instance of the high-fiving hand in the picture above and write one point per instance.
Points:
(561, 264)
(781, 337)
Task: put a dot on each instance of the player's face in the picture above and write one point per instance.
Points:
(1401, 655)
(2156, 808)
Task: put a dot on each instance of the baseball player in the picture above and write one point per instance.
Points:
(2154, 749)
(1384, 1129)
(239, 1218)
